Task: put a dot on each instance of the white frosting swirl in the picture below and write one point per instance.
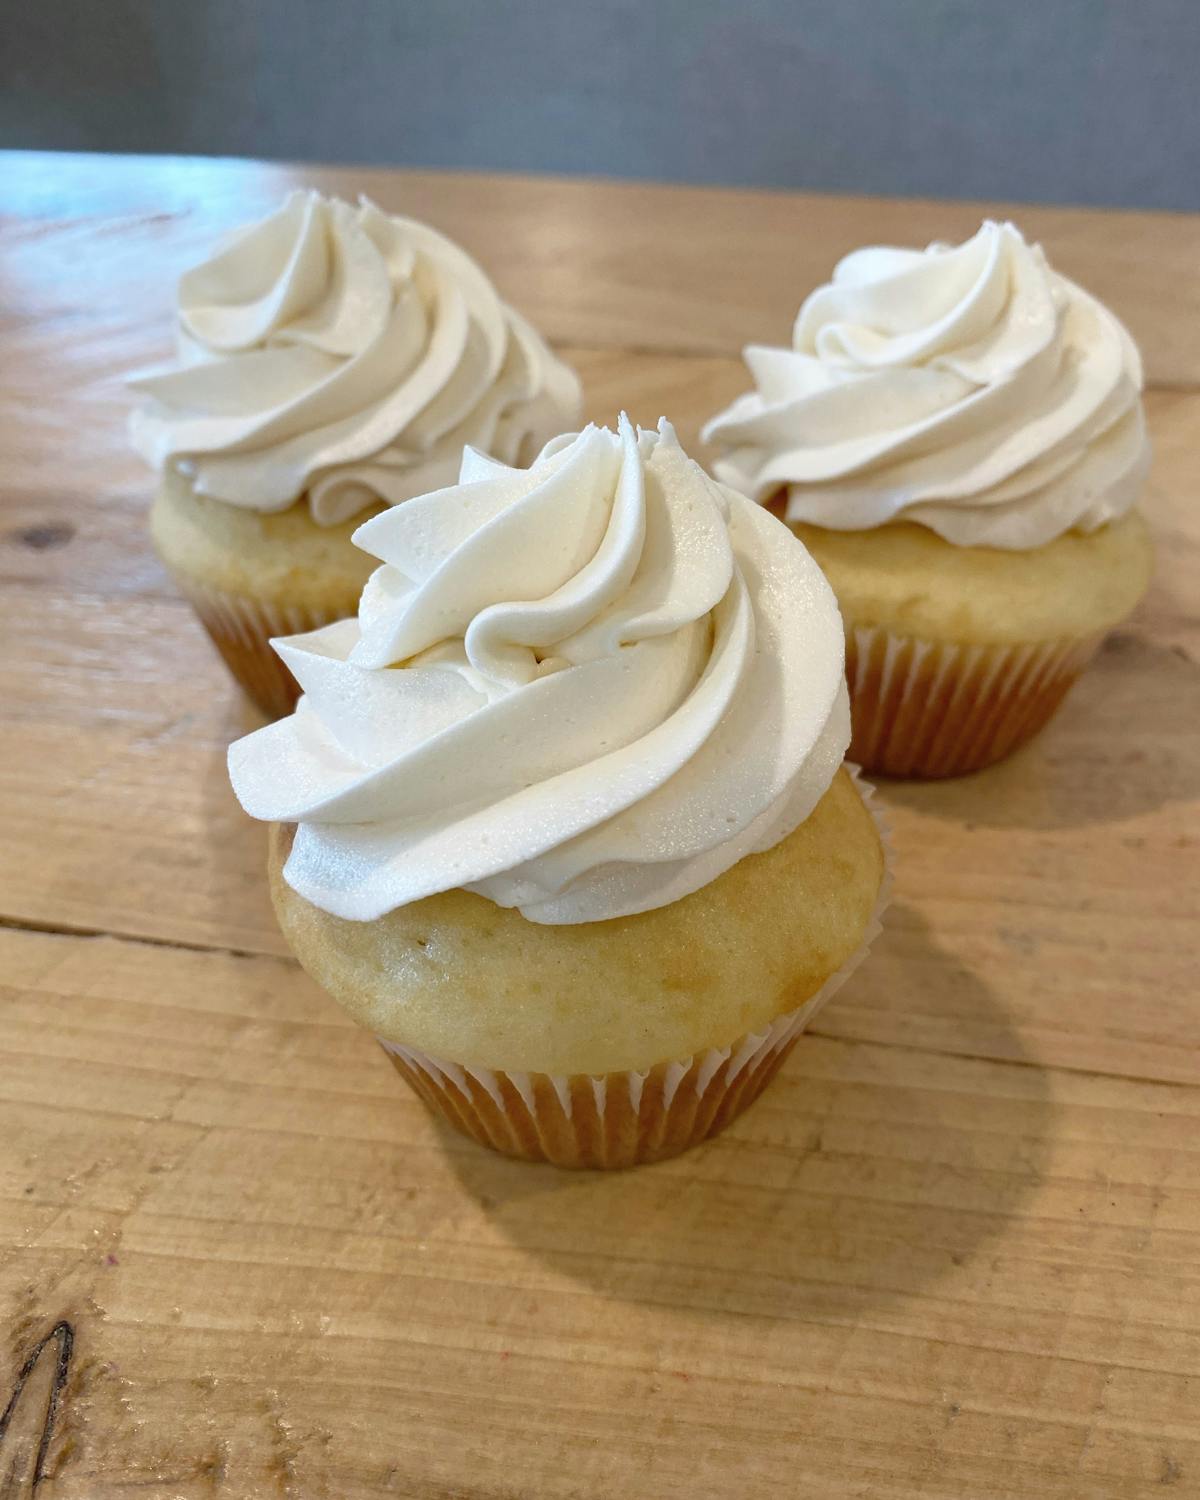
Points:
(968, 388)
(346, 354)
(584, 689)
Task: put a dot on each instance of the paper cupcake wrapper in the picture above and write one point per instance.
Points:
(927, 708)
(241, 630)
(623, 1119)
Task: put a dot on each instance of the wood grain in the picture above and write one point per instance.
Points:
(897, 1270)
(625, 265)
(952, 1252)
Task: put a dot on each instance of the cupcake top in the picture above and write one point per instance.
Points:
(584, 689)
(344, 354)
(968, 388)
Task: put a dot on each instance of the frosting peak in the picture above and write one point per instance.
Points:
(343, 352)
(968, 388)
(585, 689)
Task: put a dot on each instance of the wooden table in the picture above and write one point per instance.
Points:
(954, 1252)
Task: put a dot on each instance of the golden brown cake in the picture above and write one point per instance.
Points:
(533, 1012)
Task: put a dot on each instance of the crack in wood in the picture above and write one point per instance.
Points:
(81, 930)
(64, 1334)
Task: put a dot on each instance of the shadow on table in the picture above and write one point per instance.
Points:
(865, 1173)
(1123, 744)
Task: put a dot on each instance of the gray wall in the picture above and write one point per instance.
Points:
(1082, 101)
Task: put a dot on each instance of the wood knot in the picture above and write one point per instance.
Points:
(44, 538)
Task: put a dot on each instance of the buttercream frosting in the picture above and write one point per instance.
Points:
(968, 388)
(584, 689)
(339, 352)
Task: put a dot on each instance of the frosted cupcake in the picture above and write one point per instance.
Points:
(561, 816)
(333, 360)
(957, 436)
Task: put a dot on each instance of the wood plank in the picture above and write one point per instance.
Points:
(627, 265)
(1073, 889)
(901, 1273)
(952, 1252)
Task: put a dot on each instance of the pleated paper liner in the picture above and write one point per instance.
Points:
(926, 708)
(241, 630)
(622, 1119)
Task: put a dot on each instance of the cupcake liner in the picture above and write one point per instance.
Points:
(928, 708)
(623, 1119)
(241, 630)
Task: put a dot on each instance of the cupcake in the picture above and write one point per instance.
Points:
(957, 437)
(561, 816)
(333, 360)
